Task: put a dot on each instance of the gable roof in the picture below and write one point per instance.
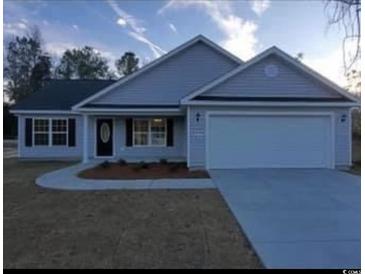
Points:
(158, 61)
(281, 54)
(61, 94)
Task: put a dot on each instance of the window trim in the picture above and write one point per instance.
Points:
(59, 132)
(34, 132)
(50, 131)
(149, 132)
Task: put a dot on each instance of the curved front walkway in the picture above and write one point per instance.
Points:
(67, 179)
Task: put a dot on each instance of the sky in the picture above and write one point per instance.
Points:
(152, 28)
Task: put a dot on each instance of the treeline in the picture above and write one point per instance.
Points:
(27, 65)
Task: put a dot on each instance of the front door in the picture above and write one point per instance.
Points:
(104, 137)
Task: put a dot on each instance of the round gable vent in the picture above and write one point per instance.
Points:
(271, 70)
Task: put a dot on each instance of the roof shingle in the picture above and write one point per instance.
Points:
(61, 94)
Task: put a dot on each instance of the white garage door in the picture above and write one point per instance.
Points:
(277, 141)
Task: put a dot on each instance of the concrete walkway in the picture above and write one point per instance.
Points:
(10, 149)
(67, 179)
(296, 218)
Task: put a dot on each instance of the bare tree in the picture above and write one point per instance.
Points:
(346, 14)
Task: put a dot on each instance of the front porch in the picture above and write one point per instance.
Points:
(134, 137)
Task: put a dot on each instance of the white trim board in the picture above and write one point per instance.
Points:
(199, 38)
(149, 132)
(349, 118)
(331, 115)
(37, 112)
(261, 56)
(271, 104)
(126, 110)
(188, 135)
(50, 130)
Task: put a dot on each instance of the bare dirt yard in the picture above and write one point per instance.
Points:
(116, 229)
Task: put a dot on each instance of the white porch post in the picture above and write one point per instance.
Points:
(85, 157)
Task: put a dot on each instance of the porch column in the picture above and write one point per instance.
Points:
(85, 157)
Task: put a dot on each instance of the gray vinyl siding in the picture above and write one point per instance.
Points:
(171, 80)
(50, 151)
(177, 151)
(290, 82)
(197, 131)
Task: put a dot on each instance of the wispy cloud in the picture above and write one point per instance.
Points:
(157, 51)
(17, 28)
(136, 30)
(172, 27)
(56, 49)
(332, 64)
(260, 6)
(57, 37)
(121, 22)
(240, 38)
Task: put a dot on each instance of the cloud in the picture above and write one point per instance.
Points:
(130, 20)
(121, 22)
(330, 66)
(57, 49)
(172, 27)
(57, 37)
(332, 63)
(136, 30)
(156, 50)
(240, 38)
(260, 6)
(17, 28)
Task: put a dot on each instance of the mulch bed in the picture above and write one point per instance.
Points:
(137, 171)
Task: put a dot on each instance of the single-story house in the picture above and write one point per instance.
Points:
(199, 104)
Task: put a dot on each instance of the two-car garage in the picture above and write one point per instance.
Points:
(269, 140)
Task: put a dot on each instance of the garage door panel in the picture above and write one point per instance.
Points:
(269, 141)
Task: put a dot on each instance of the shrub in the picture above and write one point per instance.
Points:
(122, 162)
(356, 123)
(174, 167)
(105, 164)
(136, 168)
(143, 165)
(163, 162)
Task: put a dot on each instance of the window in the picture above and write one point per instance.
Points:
(149, 132)
(158, 132)
(50, 131)
(140, 132)
(59, 132)
(41, 129)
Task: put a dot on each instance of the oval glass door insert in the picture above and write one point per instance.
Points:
(104, 132)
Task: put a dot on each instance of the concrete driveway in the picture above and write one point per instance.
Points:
(296, 218)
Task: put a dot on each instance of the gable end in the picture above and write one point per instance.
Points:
(272, 73)
(159, 62)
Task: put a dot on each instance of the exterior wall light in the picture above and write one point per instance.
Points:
(197, 116)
